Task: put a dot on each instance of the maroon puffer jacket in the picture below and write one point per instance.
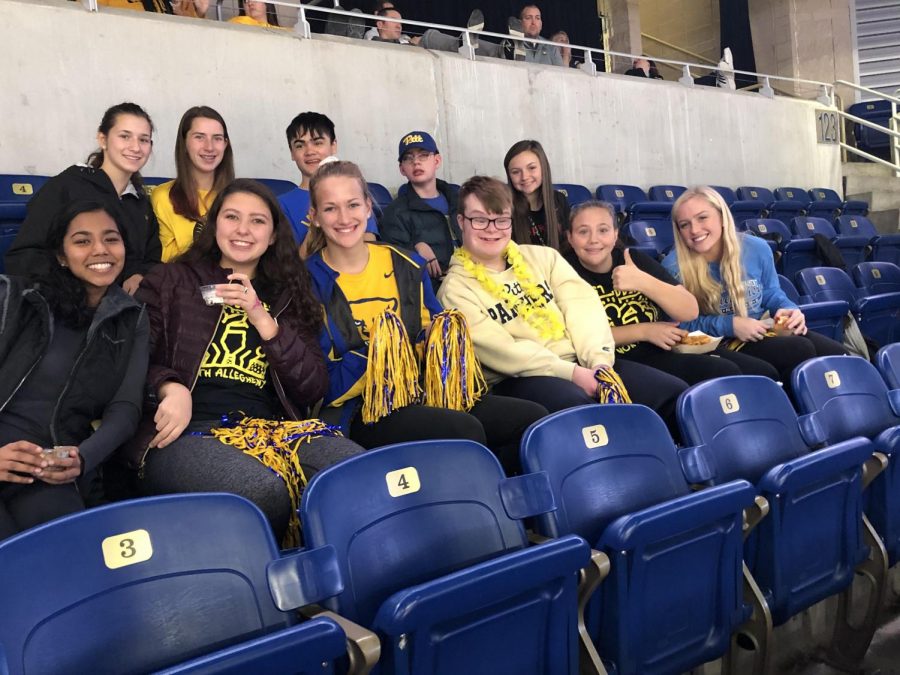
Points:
(181, 328)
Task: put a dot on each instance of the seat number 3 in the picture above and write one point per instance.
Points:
(128, 548)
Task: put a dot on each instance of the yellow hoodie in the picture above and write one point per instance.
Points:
(506, 345)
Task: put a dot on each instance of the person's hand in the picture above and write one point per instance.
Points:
(21, 457)
(629, 277)
(243, 295)
(749, 330)
(130, 285)
(663, 335)
(173, 413)
(63, 470)
(796, 322)
(424, 250)
(584, 378)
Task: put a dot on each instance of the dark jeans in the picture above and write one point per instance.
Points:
(23, 506)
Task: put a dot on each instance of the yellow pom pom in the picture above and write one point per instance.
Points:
(610, 388)
(453, 376)
(392, 372)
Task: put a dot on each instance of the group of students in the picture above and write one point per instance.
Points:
(482, 309)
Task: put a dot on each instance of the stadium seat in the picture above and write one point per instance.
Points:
(655, 238)
(885, 247)
(15, 193)
(877, 112)
(878, 315)
(380, 194)
(826, 318)
(888, 361)
(632, 202)
(853, 249)
(794, 194)
(666, 193)
(152, 182)
(726, 193)
(576, 194)
(779, 209)
(438, 564)
(850, 207)
(741, 209)
(189, 581)
(795, 254)
(617, 482)
(813, 539)
(877, 277)
(852, 400)
(277, 185)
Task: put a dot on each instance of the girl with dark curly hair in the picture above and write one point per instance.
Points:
(235, 364)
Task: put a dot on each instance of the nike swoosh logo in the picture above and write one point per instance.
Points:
(387, 275)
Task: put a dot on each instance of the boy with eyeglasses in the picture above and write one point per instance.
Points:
(423, 216)
(311, 139)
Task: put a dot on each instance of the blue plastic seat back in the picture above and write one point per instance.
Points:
(728, 195)
(825, 195)
(792, 194)
(666, 193)
(888, 361)
(152, 182)
(575, 194)
(15, 192)
(789, 289)
(877, 277)
(878, 112)
(804, 227)
(756, 192)
(768, 228)
(604, 461)
(418, 511)
(746, 422)
(277, 185)
(744, 209)
(154, 581)
(855, 226)
(827, 283)
(380, 194)
(657, 234)
(621, 196)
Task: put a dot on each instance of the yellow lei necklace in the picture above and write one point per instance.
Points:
(531, 306)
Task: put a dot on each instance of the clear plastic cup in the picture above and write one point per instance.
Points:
(209, 295)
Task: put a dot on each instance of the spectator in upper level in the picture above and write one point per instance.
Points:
(193, 8)
(390, 31)
(311, 138)
(254, 13)
(532, 24)
(562, 37)
(644, 67)
(424, 216)
(160, 6)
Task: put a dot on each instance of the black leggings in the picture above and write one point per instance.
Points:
(786, 353)
(648, 386)
(495, 421)
(692, 368)
(23, 506)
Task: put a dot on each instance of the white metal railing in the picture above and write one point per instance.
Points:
(893, 130)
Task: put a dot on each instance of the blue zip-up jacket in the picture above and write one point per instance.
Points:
(763, 290)
(346, 355)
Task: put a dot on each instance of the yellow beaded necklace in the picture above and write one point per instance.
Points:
(531, 305)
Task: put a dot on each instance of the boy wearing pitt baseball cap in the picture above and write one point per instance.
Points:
(423, 216)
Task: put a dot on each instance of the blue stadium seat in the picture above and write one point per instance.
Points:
(885, 247)
(438, 563)
(15, 193)
(153, 583)
(726, 193)
(654, 238)
(617, 482)
(632, 202)
(808, 546)
(888, 361)
(850, 207)
(826, 318)
(877, 277)
(793, 194)
(741, 209)
(666, 193)
(380, 194)
(852, 400)
(152, 182)
(794, 254)
(576, 194)
(878, 315)
(277, 185)
(877, 112)
(853, 248)
(779, 209)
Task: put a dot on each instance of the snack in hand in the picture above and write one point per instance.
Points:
(695, 340)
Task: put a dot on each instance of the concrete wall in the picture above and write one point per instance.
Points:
(65, 66)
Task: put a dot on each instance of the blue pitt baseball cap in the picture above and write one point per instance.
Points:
(416, 139)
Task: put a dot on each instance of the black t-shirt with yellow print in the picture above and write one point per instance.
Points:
(624, 308)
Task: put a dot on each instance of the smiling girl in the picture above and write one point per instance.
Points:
(249, 354)
(112, 177)
(528, 173)
(733, 277)
(205, 164)
(73, 349)
(356, 281)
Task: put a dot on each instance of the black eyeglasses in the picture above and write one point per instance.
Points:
(481, 223)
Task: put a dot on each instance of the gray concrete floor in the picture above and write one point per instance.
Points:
(883, 657)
